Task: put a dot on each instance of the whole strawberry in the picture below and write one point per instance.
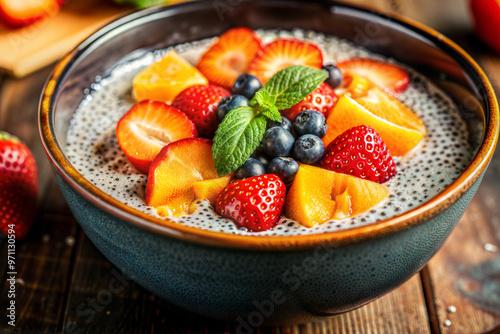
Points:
(199, 103)
(321, 99)
(360, 151)
(254, 203)
(18, 186)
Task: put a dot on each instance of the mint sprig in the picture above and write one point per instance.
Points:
(267, 105)
(241, 131)
(292, 84)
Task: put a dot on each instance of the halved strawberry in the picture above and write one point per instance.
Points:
(199, 103)
(391, 78)
(321, 99)
(254, 203)
(229, 57)
(361, 152)
(147, 127)
(282, 53)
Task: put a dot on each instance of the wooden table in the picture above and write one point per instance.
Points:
(60, 273)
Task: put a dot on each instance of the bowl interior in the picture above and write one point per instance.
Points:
(156, 28)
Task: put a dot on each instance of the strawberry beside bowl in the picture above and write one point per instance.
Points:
(268, 279)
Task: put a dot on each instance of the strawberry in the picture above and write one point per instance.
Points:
(18, 186)
(282, 53)
(229, 57)
(147, 127)
(254, 203)
(199, 103)
(16, 13)
(360, 151)
(321, 99)
(391, 78)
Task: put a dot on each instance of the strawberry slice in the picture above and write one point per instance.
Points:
(21, 13)
(391, 78)
(229, 57)
(147, 127)
(282, 53)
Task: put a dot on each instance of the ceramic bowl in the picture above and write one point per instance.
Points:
(268, 279)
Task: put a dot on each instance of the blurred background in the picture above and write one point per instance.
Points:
(59, 270)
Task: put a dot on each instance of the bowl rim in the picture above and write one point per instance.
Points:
(169, 228)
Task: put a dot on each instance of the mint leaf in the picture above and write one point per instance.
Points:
(237, 137)
(292, 84)
(267, 105)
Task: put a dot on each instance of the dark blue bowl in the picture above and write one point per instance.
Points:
(268, 279)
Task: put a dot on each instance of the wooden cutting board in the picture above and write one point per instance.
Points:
(25, 50)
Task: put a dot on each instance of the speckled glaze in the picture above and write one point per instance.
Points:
(269, 279)
(228, 283)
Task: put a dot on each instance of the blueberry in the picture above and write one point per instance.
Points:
(285, 124)
(310, 122)
(277, 142)
(286, 168)
(308, 149)
(334, 75)
(261, 155)
(251, 167)
(246, 85)
(229, 103)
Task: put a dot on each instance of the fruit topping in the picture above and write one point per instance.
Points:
(200, 103)
(246, 85)
(399, 127)
(251, 167)
(147, 127)
(229, 103)
(254, 203)
(391, 78)
(282, 53)
(278, 142)
(334, 75)
(284, 167)
(18, 187)
(174, 171)
(261, 155)
(163, 80)
(318, 195)
(361, 152)
(229, 57)
(355, 86)
(211, 188)
(308, 149)
(242, 130)
(310, 122)
(285, 124)
(322, 99)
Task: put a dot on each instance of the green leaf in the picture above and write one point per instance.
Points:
(267, 105)
(237, 137)
(292, 84)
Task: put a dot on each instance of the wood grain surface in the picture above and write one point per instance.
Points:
(61, 274)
